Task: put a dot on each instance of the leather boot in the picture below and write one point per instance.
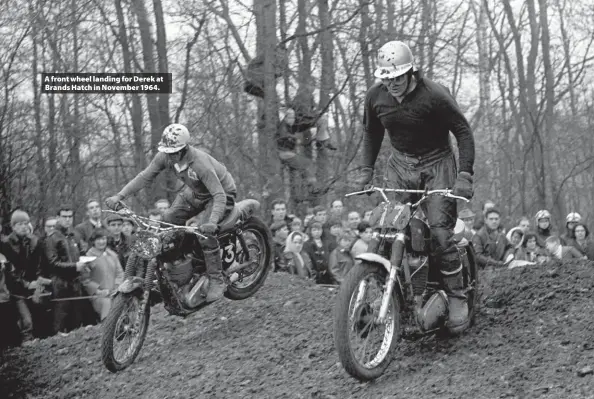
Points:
(458, 320)
(216, 286)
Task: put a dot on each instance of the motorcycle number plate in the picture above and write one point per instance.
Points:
(227, 253)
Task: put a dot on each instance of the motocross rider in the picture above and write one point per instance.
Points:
(210, 191)
(418, 115)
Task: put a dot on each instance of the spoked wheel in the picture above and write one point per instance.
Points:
(365, 347)
(251, 278)
(124, 331)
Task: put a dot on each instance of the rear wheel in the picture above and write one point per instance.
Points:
(365, 348)
(258, 242)
(124, 331)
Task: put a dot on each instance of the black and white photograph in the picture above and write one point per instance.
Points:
(310, 199)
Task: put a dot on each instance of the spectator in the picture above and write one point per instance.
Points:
(582, 242)
(524, 223)
(156, 216)
(321, 216)
(49, 225)
(567, 238)
(561, 252)
(353, 220)
(542, 256)
(10, 336)
(479, 221)
(490, 242)
(317, 250)
(297, 260)
(296, 225)
(85, 229)
(117, 241)
(162, 205)
(128, 228)
(286, 142)
(336, 209)
(24, 252)
(63, 253)
(105, 273)
(543, 227)
(279, 211)
(529, 249)
(467, 216)
(367, 216)
(365, 233)
(515, 237)
(309, 215)
(341, 261)
(280, 231)
(335, 233)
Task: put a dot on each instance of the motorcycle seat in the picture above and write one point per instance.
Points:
(243, 209)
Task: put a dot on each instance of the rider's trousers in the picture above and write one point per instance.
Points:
(186, 206)
(435, 170)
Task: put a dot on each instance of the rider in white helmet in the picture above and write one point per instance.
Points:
(544, 228)
(210, 190)
(572, 219)
(418, 115)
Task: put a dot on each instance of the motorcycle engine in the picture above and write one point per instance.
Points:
(179, 271)
(419, 270)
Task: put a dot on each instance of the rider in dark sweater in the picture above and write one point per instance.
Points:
(418, 115)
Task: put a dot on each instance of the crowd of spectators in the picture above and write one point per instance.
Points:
(321, 245)
(61, 278)
(535, 241)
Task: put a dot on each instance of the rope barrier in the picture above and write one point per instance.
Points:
(60, 299)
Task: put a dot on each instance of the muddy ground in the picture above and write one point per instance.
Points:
(533, 339)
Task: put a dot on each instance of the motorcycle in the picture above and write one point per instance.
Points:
(168, 258)
(396, 269)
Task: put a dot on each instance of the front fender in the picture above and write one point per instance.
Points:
(375, 258)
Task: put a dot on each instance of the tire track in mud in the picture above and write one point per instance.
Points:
(533, 335)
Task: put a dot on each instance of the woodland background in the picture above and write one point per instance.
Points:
(521, 71)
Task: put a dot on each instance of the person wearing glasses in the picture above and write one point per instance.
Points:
(418, 115)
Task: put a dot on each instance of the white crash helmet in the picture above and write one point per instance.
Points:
(573, 217)
(394, 59)
(175, 137)
(542, 214)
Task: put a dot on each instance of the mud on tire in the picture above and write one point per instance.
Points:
(342, 324)
(111, 323)
(254, 226)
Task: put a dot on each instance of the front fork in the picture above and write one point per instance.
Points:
(396, 262)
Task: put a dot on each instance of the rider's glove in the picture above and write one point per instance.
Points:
(113, 202)
(363, 177)
(209, 228)
(463, 185)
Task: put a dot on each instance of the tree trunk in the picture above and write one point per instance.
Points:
(363, 43)
(77, 130)
(326, 86)
(136, 107)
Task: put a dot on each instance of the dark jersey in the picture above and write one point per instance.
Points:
(417, 126)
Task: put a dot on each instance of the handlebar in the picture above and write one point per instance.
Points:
(148, 224)
(426, 193)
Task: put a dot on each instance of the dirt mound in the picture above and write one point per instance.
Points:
(532, 339)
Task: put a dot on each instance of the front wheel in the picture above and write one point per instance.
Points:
(365, 348)
(124, 331)
(258, 242)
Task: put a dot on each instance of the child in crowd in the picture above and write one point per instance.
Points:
(341, 260)
(318, 252)
(365, 234)
(558, 251)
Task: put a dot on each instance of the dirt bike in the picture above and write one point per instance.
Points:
(168, 258)
(396, 269)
